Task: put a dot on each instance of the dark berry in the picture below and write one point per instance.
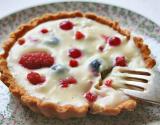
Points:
(73, 63)
(66, 25)
(120, 61)
(114, 41)
(95, 65)
(75, 53)
(36, 60)
(59, 68)
(79, 35)
(108, 82)
(35, 78)
(90, 97)
(53, 41)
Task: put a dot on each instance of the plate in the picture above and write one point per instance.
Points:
(13, 113)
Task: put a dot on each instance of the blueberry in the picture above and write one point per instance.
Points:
(53, 41)
(95, 65)
(58, 68)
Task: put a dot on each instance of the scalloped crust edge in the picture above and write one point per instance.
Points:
(67, 111)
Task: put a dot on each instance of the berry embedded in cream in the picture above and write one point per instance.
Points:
(61, 62)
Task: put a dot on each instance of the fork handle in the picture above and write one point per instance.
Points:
(152, 102)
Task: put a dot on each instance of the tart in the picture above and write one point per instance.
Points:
(54, 64)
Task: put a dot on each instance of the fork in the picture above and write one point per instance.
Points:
(146, 79)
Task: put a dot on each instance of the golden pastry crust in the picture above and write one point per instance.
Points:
(145, 51)
(67, 111)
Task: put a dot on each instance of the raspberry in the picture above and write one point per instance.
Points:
(35, 78)
(65, 82)
(79, 35)
(73, 63)
(21, 41)
(114, 41)
(108, 82)
(71, 80)
(44, 30)
(90, 97)
(101, 48)
(75, 53)
(120, 61)
(66, 25)
(36, 60)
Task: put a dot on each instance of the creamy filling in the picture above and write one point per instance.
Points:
(57, 42)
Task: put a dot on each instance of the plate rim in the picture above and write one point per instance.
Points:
(76, 1)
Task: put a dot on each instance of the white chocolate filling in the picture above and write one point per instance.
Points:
(50, 90)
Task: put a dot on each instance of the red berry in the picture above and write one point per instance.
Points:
(71, 80)
(66, 25)
(120, 61)
(75, 53)
(73, 63)
(36, 60)
(91, 97)
(105, 37)
(108, 82)
(65, 82)
(44, 30)
(79, 35)
(35, 78)
(114, 41)
(21, 41)
(101, 48)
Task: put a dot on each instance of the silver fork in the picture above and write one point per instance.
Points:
(147, 80)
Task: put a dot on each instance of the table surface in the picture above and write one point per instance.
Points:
(147, 8)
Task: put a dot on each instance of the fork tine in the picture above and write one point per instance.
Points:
(134, 93)
(136, 84)
(143, 77)
(135, 69)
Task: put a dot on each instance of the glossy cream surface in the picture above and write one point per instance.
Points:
(50, 90)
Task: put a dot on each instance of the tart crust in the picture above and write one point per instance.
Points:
(67, 111)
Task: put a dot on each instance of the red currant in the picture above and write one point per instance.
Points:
(101, 48)
(66, 25)
(114, 41)
(44, 30)
(73, 63)
(75, 53)
(21, 41)
(79, 35)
